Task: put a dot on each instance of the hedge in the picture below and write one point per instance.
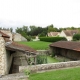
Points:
(52, 39)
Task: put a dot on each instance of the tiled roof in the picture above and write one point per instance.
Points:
(4, 35)
(20, 47)
(72, 45)
(70, 32)
(53, 34)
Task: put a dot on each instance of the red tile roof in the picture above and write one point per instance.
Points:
(16, 46)
(50, 34)
(70, 32)
(4, 35)
(67, 45)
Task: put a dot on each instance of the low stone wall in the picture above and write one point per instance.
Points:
(43, 51)
(43, 67)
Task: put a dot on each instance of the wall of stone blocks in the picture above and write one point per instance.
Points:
(51, 66)
(3, 67)
(43, 52)
(5, 58)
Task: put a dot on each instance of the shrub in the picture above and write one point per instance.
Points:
(33, 37)
(28, 38)
(41, 59)
(52, 39)
(76, 37)
(27, 71)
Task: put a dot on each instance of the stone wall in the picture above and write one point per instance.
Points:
(8, 33)
(5, 58)
(51, 66)
(3, 67)
(43, 51)
(19, 58)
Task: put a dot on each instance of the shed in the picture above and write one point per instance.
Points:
(13, 55)
(69, 49)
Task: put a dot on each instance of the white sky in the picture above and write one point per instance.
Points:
(60, 13)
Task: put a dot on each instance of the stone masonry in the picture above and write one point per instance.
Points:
(3, 67)
(51, 66)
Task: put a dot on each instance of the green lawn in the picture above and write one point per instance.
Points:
(38, 45)
(65, 74)
(51, 60)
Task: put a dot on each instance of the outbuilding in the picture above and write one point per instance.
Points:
(68, 49)
(13, 55)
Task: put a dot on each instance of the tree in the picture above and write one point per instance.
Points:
(11, 29)
(24, 31)
(76, 37)
(51, 28)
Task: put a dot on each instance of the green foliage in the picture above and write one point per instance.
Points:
(52, 39)
(42, 34)
(41, 59)
(28, 38)
(37, 30)
(27, 71)
(33, 37)
(76, 37)
(23, 31)
(51, 59)
(52, 28)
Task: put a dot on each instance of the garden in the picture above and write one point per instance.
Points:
(63, 74)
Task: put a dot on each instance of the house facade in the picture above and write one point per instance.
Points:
(68, 34)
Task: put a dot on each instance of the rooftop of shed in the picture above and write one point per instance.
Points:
(72, 45)
(19, 47)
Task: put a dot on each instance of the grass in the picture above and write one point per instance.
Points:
(37, 45)
(65, 74)
(51, 60)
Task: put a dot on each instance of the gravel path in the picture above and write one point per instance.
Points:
(17, 76)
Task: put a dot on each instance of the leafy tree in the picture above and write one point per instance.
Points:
(11, 29)
(51, 28)
(23, 31)
(76, 37)
(32, 28)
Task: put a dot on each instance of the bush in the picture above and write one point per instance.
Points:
(33, 37)
(52, 39)
(76, 37)
(41, 59)
(27, 71)
(28, 38)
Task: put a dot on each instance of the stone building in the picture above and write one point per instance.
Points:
(68, 49)
(18, 37)
(9, 33)
(13, 55)
(14, 36)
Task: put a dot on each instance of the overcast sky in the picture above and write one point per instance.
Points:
(60, 13)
